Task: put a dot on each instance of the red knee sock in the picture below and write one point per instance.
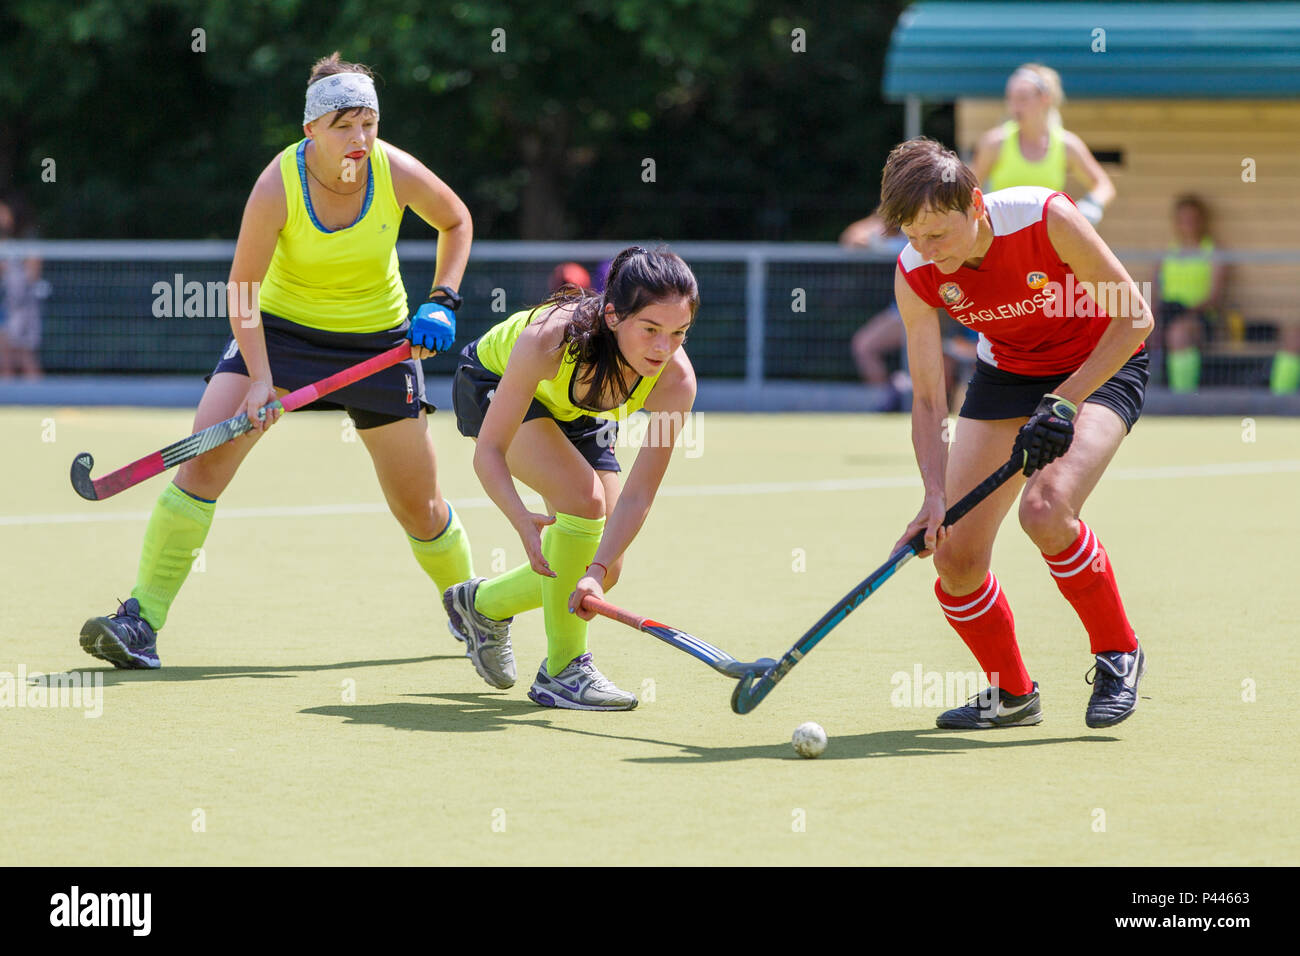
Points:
(1084, 575)
(983, 619)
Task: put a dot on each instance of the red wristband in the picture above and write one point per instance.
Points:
(601, 565)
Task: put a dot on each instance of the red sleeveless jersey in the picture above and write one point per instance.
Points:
(1025, 303)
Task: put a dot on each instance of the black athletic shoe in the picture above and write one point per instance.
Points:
(994, 707)
(124, 639)
(1114, 679)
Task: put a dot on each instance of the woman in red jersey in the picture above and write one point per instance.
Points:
(1061, 375)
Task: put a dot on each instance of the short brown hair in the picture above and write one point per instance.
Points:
(334, 63)
(331, 65)
(923, 174)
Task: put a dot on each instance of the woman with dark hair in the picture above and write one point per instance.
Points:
(314, 288)
(542, 393)
(1061, 378)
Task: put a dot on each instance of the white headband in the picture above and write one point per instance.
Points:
(339, 92)
(1033, 77)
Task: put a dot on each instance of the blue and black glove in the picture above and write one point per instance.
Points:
(434, 324)
(1048, 433)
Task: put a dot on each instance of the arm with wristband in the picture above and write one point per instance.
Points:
(433, 327)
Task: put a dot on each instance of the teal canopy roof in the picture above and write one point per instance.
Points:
(945, 51)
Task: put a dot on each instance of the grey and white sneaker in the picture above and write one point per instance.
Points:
(579, 687)
(487, 642)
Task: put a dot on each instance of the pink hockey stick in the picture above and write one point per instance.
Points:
(125, 477)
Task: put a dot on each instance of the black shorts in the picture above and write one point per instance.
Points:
(1207, 319)
(995, 394)
(471, 391)
(300, 355)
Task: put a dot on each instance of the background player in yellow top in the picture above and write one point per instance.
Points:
(318, 237)
(542, 393)
(1034, 149)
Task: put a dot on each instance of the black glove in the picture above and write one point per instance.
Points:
(1048, 433)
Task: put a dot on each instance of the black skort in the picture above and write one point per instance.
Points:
(472, 390)
(994, 394)
(1207, 319)
(300, 355)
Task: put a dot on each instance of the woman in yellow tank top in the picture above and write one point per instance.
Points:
(1188, 294)
(318, 237)
(537, 392)
(1033, 149)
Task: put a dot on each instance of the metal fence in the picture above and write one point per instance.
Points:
(770, 311)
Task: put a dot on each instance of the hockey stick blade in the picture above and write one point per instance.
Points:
(81, 466)
(753, 688)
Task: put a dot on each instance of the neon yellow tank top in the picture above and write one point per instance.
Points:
(1012, 169)
(346, 280)
(555, 393)
(1186, 277)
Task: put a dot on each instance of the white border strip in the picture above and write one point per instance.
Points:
(678, 491)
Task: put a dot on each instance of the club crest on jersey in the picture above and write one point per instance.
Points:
(951, 293)
(1036, 280)
(410, 390)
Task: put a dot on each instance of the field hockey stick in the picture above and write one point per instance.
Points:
(125, 477)
(718, 659)
(752, 688)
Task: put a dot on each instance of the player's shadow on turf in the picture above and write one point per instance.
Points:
(488, 713)
(467, 713)
(111, 675)
(886, 743)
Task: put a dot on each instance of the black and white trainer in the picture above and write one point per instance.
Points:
(1114, 679)
(994, 707)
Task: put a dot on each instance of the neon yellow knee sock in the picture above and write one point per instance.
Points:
(569, 546)
(177, 529)
(1286, 373)
(1184, 370)
(516, 591)
(446, 558)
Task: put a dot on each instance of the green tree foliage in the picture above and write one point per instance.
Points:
(541, 115)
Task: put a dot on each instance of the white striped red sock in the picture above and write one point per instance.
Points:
(984, 621)
(1084, 574)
